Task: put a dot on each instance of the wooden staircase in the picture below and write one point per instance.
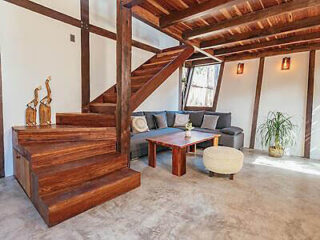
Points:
(144, 81)
(70, 167)
(66, 170)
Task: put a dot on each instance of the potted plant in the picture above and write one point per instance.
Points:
(188, 129)
(277, 132)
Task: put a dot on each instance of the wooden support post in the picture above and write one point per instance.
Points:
(309, 110)
(257, 103)
(1, 127)
(85, 54)
(124, 40)
(216, 96)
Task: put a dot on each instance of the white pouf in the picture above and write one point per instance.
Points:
(223, 160)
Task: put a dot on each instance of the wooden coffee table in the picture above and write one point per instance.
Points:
(179, 144)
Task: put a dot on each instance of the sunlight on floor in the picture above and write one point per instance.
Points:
(291, 165)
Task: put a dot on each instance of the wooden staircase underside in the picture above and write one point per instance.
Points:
(144, 81)
(66, 170)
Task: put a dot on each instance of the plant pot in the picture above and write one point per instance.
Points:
(276, 152)
(188, 134)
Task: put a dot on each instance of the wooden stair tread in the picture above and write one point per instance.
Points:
(104, 104)
(61, 128)
(86, 119)
(54, 148)
(52, 170)
(89, 186)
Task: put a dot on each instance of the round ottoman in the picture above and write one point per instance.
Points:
(223, 160)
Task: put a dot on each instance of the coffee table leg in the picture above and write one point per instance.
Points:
(215, 142)
(178, 161)
(152, 151)
(192, 148)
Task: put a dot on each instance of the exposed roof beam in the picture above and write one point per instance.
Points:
(251, 17)
(132, 3)
(274, 52)
(276, 42)
(201, 62)
(197, 56)
(258, 34)
(196, 11)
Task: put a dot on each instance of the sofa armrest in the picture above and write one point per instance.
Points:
(232, 130)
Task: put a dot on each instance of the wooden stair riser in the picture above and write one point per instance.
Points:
(66, 135)
(110, 98)
(83, 201)
(69, 155)
(163, 58)
(147, 71)
(107, 109)
(86, 120)
(155, 64)
(52, 183)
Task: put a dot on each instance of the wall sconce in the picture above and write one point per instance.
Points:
(286, 63)
(240, 68)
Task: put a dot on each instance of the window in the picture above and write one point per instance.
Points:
(203, 86)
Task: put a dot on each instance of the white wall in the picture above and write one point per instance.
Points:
(33, 46)
(283, 91)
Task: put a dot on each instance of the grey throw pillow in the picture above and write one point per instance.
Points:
(161, 120)
(181, 120)
(210, 122)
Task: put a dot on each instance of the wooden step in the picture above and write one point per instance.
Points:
(61, 133)
(62, 206)
(148, 71)
(164, 58)
(110, 98)
(49, 154)
(155, 64)
(86, 119)
(141, 79)
(170, 52)
(103, 107)
(54, 179)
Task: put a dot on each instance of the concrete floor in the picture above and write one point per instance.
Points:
(269, 199)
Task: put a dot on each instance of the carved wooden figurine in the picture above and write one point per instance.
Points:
(31, 111)
(45, 108)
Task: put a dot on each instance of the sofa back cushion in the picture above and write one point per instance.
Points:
(161, 120)
(151, 120)
(224, 120)
(196, 117)
(137, 114)
(171, 115)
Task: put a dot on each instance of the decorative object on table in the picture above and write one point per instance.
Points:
(139, 124)
(277, 133)
(188, 129)
(31, 111)
(223, 160)
(45, 108)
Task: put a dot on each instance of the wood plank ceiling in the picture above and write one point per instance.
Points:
(228, 30)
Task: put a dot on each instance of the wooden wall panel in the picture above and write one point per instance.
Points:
(257, 103)
(309, 109)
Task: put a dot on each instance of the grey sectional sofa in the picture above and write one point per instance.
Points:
(230, 136)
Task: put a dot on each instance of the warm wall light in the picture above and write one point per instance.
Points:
(240, 68)
(286, 63)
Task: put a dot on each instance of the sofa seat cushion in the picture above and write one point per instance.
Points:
(205, 130)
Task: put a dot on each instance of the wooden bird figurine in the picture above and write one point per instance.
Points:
(31, 111)
(45, 108)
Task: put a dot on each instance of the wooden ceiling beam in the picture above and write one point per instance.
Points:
(201, 62)
(274, 52)
(196, 11)
(197, 56)
(255, 16)
(132, 3)
(263, 33)
(275, 42)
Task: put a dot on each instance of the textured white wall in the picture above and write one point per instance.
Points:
(283, 91)
(33, 46)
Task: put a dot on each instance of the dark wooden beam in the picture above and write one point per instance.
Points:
(1, 127)
(251, 17)
(132, 3)
(85, 54)
(276, 42)
(197, 56)
(201, 62)
(219, 83)
(263, 33)
(256, 103)
(196, 11)
(124, 40)
(35, 7)
(309, 110)
(274, 52)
